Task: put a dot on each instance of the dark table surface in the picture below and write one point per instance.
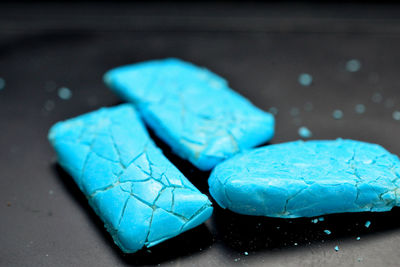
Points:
(261, 49)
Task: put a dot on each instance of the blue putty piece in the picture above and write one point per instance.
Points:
(140, 196)
(328, 232)
(305, 79)
(337, 114)
(2, 83)
(192, 109)
(396, 115)
(64, 93)
(353, 65)
(304, 132)
(307, 179)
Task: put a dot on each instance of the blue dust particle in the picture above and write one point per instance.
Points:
(64, 93)
(367, 224)
(305, 79)
(246, 253)
(308, 106)
(49, 105)
(360, 108)
(327, 232)
(294, 111)
(337, 114)
(396, 115)
(314, 220)
(389, 103)
(295, 244)
(2, 83)
(358, 238)
(304, 132)
(353, 65)
(273, 111)
(336, 248)
(377, 98)
(321, 219)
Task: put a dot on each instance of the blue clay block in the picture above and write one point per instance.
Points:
(306, 179)
(140, 196)
(192, 109)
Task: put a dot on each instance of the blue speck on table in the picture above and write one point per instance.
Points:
(353, 65)
(64, 93)
(308, 106)
(337, 114)
(304, 132)
(294, 111)
(305, 79)
(360, 108)
(273, 111)
(396, 115)
(327, 232)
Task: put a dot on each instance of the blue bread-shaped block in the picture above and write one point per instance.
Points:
(192, 109)
(140, 196)
(305, 179)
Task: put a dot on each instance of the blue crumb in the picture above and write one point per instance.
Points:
(337, 114)
(305, 79)
(360, 108)
(273, 111)
(377, 98)
(304, 132)
(2, 83)
(64, 93)
(192, 109)
(307, 179)
(396, 115)
(353, 65)
(327, 232)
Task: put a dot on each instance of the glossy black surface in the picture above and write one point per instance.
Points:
(261, 49)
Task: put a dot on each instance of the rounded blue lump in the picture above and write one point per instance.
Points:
(308, 179)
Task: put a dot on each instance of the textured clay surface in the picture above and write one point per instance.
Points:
(192, 109)
(141, 197)
(305, 179)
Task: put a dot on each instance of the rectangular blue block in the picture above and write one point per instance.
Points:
(192, 109)
(140, 196)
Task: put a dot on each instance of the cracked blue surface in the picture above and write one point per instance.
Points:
(142, 198)
(306, 179)
(192, 109)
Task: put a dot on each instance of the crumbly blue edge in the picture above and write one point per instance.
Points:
(140, 196)
(192, 109)
(307, 179)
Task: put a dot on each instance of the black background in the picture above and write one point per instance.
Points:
(261, 49)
